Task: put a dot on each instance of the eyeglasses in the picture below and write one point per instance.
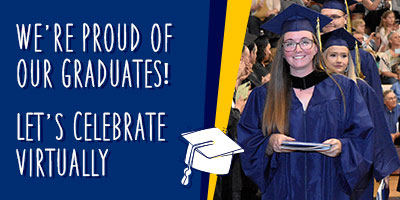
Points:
(335, 17)
(391, 98)
(305, 44)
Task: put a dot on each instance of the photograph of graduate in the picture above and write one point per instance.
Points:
(292, 87)
(306, 101)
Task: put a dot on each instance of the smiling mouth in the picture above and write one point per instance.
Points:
(298, 57)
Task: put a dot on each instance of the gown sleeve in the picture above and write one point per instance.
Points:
(370, 70)
(255, 163)
(386, 159)
(356, 157)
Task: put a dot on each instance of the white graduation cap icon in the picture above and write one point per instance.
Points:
(209, 150)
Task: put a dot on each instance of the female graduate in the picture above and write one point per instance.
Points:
(336, 46)
(305, 104)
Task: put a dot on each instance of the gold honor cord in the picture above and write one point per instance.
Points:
(358, 62)
(319, 40)
(348, 17)
(349, 29)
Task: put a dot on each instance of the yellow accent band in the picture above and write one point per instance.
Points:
(237, 13)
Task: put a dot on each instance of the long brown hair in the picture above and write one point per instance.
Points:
(276, 109)
(384, 16)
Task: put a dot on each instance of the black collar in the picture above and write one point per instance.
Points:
(308, 81)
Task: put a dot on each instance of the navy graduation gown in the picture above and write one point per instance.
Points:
(385, 155)
(310, 175)
(370, 70)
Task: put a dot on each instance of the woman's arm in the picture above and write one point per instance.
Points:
(389, 74)
(277, 7)
(368, 4)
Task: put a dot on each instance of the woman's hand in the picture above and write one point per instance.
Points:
(266, 78)
(275, 141)
(335, 150)
(244, 71)
(241, 102)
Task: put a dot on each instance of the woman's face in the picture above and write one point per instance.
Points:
(267, 52)
(360, 28)
(394, 40)
(301, 57)
(390, 19)
(253, 55)
(337, 58)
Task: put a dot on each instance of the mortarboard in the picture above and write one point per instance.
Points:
(337, 4)
(338, 37)
(296, 18)
(209, 150)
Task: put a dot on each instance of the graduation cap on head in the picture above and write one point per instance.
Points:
(342, 5)
(338, 37)
(209, 150)
(296, 18)
(337, 4)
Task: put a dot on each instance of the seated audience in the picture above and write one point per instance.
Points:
(387, 25)
(264, 11)
(359, 26)
(390, 59)
(261, 68)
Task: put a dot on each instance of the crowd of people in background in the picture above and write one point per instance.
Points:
(374, 23)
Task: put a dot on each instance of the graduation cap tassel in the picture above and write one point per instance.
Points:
(318, 29)
(358, 62)
(349, 29)
(319, 34)
(188, 170)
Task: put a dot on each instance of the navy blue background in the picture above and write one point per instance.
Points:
(138, 169)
